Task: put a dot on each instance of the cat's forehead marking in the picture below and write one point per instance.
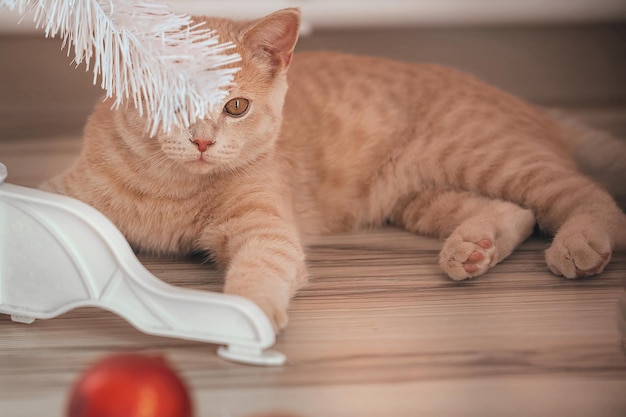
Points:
(209, 118)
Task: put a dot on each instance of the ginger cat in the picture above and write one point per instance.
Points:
(354, 142)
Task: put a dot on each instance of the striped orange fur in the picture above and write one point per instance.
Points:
(353, 142)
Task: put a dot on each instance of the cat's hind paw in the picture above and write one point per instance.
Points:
(577, 255)
(463, 258)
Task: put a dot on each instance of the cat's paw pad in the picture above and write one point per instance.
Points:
(463, 258)
(576, 255)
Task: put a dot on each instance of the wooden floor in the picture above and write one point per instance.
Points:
(380, 331)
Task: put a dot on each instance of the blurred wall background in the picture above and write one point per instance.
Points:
(565, 53)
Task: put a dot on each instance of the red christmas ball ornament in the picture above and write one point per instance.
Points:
(130, 385)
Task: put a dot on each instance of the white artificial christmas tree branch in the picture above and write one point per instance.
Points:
(171, 68)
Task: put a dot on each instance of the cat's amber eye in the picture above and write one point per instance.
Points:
(237, 107)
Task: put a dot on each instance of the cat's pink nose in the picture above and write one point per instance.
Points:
(203, 144)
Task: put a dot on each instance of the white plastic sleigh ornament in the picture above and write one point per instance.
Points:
(58, 253)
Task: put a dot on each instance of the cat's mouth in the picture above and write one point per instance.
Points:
(199, 166)
(198, 162)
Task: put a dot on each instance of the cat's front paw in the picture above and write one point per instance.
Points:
(267, 298)
(576, 254)
(464, 257)
(276, 313)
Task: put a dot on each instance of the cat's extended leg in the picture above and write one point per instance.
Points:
(588, 223)
(536, 174)
(257, 242)
(480, 231)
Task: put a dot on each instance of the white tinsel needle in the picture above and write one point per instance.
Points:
(172, 68)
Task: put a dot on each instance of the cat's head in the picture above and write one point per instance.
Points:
(247, 123)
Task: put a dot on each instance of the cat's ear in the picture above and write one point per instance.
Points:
(273, 37)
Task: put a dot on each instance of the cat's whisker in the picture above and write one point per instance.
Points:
(284, 155)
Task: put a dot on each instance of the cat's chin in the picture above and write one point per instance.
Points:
(200, 167)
